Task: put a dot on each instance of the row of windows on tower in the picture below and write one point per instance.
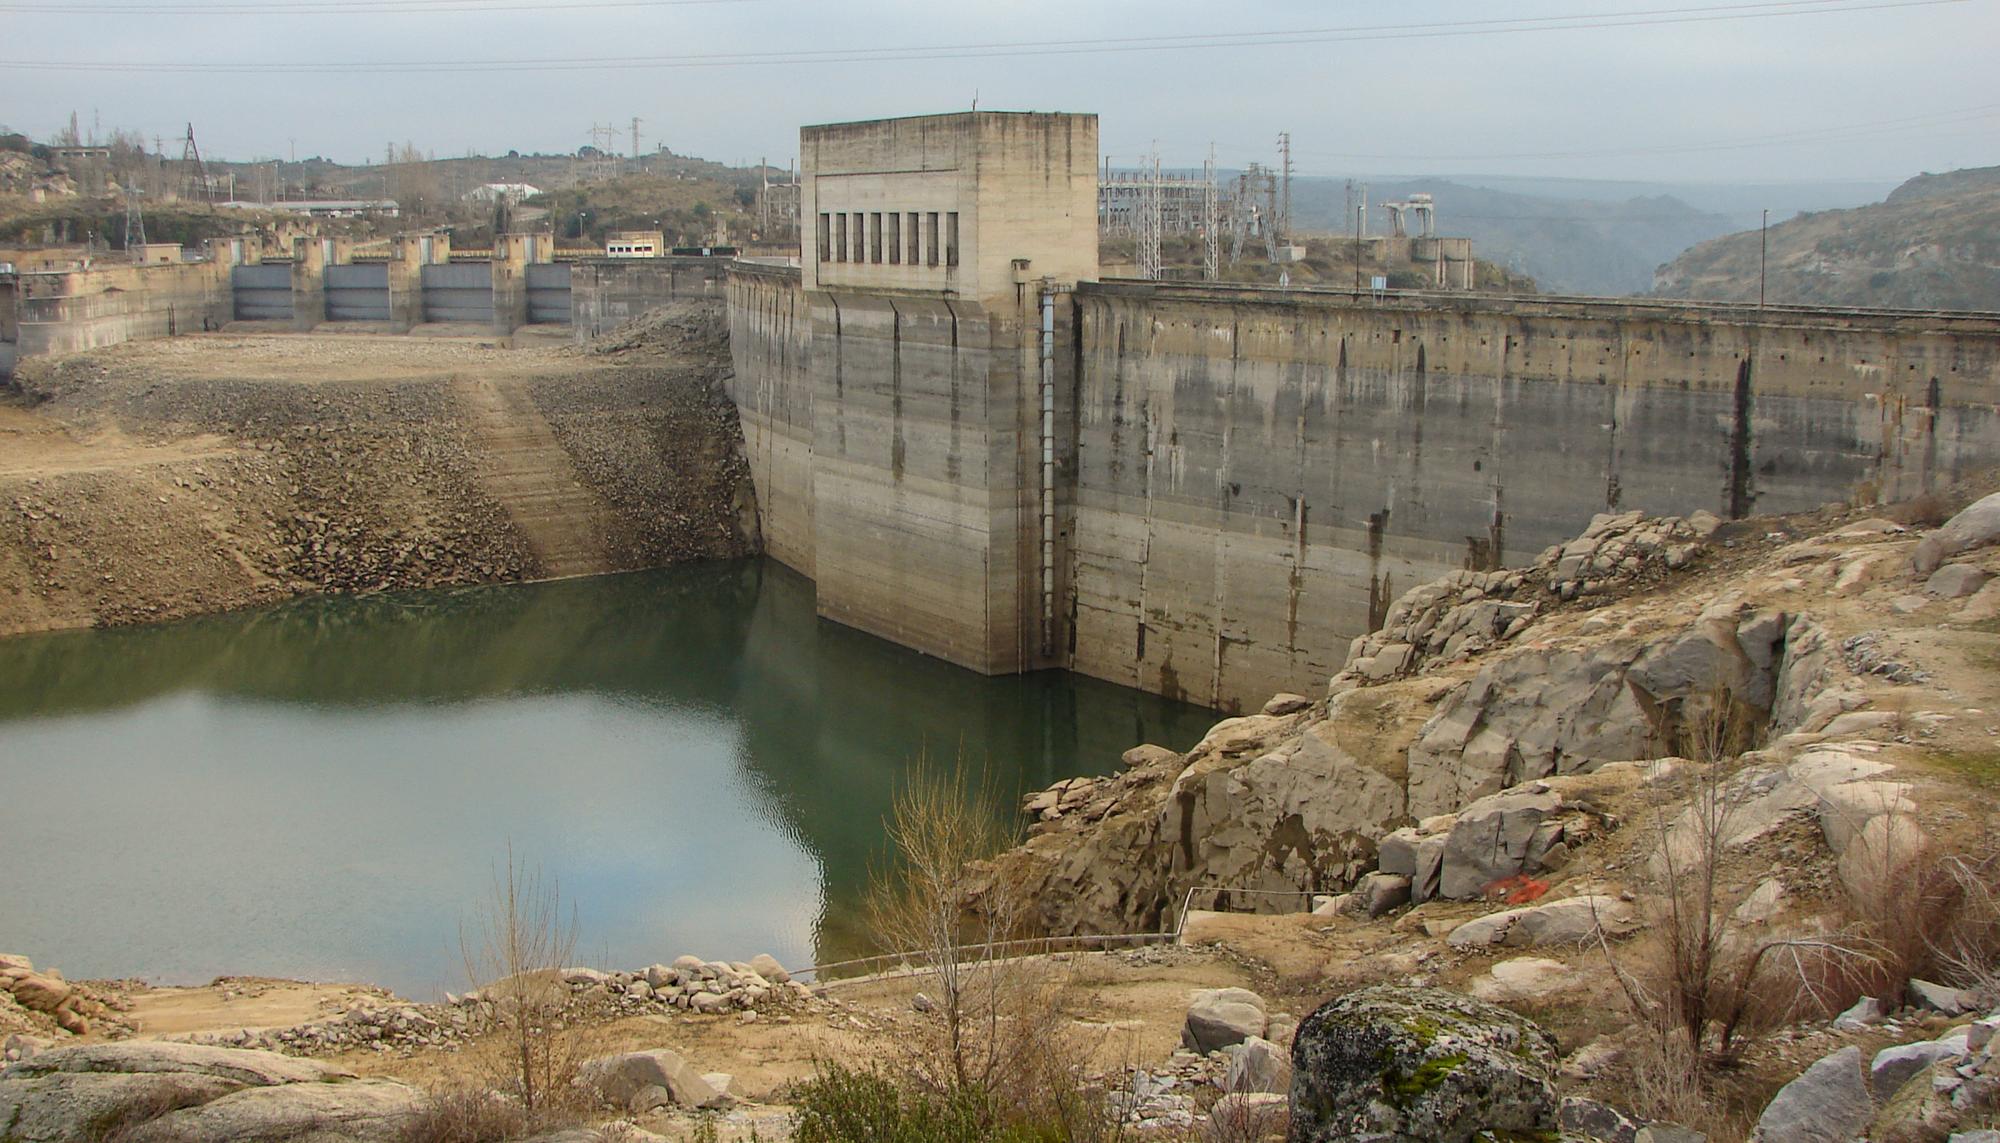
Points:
(889, 237)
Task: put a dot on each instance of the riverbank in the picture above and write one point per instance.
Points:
(206, 473)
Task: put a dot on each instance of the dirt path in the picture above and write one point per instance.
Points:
(524, 467)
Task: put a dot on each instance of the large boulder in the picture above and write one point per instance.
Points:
(1829, 1102)
(1413, 1065)
(1569, 921)
(1257, 1064)
(358, 1111)
(68, 1106)
(1492, 840)
(1268, 824)
(632, 1079)
(137, 1057)
(1978, 525)
(1893, 1066)
(1219, 1017)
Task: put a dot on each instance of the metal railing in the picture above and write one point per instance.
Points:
(1030, 946)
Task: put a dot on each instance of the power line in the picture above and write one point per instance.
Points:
(1799, 136)
(339, 7)
(1203, 41)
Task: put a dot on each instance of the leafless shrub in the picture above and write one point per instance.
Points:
(999, 1031)
(515, 957)
(1243, 1121)
(1695, 982)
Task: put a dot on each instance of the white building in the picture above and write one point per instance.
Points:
(495, 192)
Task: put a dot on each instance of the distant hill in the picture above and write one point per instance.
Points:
(1568, 245)
(1934, 243)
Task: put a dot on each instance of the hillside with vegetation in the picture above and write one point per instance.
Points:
(1934, 243)
(1568, 245)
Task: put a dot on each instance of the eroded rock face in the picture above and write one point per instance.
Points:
(1566, 710)
(1414, 1065)
(1269, 825)
(150, 1092)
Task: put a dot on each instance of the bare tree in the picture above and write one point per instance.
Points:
(997, 1027)
(515, 956)
(1697, 982)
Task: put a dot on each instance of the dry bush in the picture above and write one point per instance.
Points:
(992, 1010)
(479, 1115)
(999, 1038)
(515, 958)
(1926, 510)
(1696, 983)
(1239, 1121)
(1934, 916)
(1965, 946)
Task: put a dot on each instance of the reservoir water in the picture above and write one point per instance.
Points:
(324, 789)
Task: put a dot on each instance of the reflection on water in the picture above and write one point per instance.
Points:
(321, 790)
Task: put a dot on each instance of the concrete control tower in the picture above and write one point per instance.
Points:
(938, 255)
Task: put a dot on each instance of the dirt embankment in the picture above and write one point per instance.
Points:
(171, 478)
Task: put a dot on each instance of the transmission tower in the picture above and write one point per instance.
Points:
(135, 224)
(1211, 222)
(194, 173)
(1150, 221)
(635, 137)
(1243, 211)
(1281, 224)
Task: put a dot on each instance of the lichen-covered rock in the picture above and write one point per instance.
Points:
(1415, 1065)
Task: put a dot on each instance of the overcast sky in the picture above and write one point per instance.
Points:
(1837, 93)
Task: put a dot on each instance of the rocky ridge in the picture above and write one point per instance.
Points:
(1485, 685)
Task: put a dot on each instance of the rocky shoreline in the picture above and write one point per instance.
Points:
(161, 480)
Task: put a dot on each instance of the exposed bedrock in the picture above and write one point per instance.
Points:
(1278, 807)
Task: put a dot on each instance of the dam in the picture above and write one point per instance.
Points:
(976, 445)
(976, 448)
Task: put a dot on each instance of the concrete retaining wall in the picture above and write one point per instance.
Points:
(770, 339)
(886, 439)
(108, 305)
(605, 293)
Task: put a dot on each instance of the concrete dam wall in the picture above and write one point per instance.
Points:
(1259, 473)
(886, 437)
(1246, 477)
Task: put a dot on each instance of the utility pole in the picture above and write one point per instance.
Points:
(1360, 214)
(764, 198)
(1763, 254)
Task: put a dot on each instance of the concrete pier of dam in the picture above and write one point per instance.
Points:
(1209, 491)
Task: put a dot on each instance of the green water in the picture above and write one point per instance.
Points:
(322, 790)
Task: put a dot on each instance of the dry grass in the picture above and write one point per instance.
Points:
(478, 1115)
